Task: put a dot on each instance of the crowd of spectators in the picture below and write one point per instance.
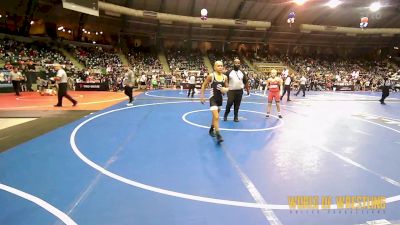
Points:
(227, 59)
(179, 59)
(104, 65)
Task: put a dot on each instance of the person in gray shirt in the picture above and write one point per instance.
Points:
(129, 81)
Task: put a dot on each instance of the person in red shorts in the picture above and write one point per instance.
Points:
(274, 84)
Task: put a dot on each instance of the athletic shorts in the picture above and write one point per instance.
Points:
(273, 95)
(215, 103)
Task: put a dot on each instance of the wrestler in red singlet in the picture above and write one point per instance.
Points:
(274, 85)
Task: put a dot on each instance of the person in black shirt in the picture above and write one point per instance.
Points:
(218, 82)
(385, 89)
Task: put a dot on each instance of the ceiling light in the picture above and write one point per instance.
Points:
(334, 3)
(375, 6)
(299, 2)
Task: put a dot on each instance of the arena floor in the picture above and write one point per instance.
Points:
(155, 164)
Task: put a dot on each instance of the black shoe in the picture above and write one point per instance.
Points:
(267, 116)
(57, 105)
(211, 132)
(289, 100)
(304, 96)
(219, 139)
(225, 118)
(236, 119)
(280, 116)
(75, 103)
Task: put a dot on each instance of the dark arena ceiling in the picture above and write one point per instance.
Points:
(315, 12)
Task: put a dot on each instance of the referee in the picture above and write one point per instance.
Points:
(386, 84)
(288, 82)
(62, 79)
(192, 84)
(237, 80)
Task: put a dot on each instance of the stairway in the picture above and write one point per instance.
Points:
(163, 60)
(71, 58)
(249, 64)
(123, 58)
(207, 63)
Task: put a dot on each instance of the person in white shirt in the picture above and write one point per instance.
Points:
(62, 80)
(303, 81)
(173, 80)
(143, 80)
(237, 81)
(16, 77)
(192, 84)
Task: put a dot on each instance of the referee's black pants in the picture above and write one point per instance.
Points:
(128, 91)
(286, 89)
(302, 88)
(17, 86)
(234, 98)
(62, 92)
(191, 89)
(385, 94)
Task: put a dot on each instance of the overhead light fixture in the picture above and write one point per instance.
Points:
(101, 32)
(334, 3)
(97, 33)
(69, 31)
(88, 32)
(375, 6)
(395, 47)
(32, 22)
(94, 42)
(299, 2)
(60, 28)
